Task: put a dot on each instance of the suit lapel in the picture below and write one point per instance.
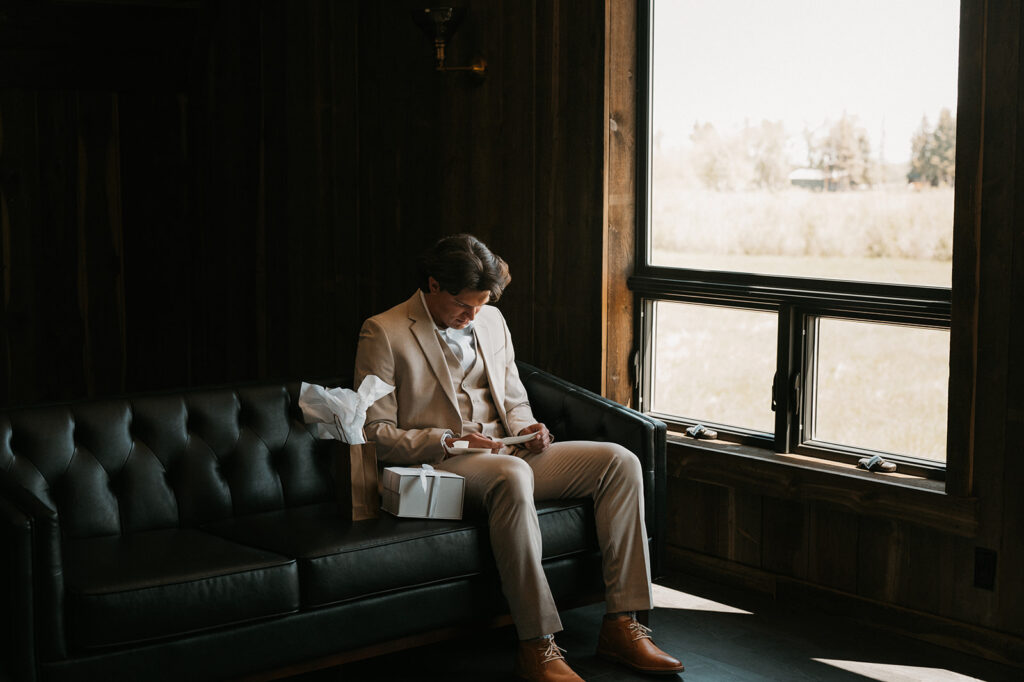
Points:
(485, 347)
(423, 329)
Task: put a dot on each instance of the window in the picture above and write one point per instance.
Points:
(868, 380)
(714, 363)
(795, 257)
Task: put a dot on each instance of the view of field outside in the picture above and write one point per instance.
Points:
(808, 139)
(715, 364)
(883, 387)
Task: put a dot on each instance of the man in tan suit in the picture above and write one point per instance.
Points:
(450, 357)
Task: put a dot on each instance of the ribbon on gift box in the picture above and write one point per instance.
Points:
(427, 471)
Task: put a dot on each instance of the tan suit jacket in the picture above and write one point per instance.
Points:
(402, 347)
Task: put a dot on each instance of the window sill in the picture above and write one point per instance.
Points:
(899, 496)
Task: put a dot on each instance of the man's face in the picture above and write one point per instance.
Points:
(454, 311)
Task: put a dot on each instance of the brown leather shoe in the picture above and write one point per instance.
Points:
(626, 641)
(541, 660)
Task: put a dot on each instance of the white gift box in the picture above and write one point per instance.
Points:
(423, 493)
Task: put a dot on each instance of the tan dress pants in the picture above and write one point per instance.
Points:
(505, 487)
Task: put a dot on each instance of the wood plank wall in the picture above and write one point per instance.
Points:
(214, 191)
(515, 159)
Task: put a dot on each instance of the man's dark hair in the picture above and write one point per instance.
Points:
(461, 261)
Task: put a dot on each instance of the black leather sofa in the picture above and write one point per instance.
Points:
(197, 535)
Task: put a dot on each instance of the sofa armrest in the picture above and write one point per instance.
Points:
(574, 413)
(34, 580)
(17, 639)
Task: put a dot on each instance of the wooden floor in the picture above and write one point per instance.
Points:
(719, 634)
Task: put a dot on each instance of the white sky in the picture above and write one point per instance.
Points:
(804, 62)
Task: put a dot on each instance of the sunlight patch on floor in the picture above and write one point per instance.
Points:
(896, 673)
(667, 598)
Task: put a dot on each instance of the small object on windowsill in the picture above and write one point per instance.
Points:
(876, 463)
(701, 432)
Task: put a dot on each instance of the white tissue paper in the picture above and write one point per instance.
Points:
(339, 413)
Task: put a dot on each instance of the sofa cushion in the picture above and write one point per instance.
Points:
(153, 584)
(567, 527)
(340, 559)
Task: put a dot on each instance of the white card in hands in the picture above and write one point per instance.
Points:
(468, 451)
(516, 440)
(461, 447)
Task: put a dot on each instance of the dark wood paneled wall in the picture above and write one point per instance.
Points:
(218, 190)
(515, 159)
(96, 198)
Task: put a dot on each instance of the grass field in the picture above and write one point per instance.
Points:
(893, 234)
(882, 387)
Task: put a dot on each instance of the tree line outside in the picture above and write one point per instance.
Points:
(822, 203)
(933, 157)
(761, 156)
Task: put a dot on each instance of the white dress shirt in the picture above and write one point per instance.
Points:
(461, 341)
(463, 345)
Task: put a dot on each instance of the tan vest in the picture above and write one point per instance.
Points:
(474, 393)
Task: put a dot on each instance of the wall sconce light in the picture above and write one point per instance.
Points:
(439, 24)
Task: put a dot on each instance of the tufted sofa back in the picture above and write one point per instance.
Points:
(120, 466)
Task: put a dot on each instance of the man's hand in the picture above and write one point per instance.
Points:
(475, 440)
(540, 442)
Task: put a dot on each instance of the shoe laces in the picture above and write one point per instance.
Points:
(553, 652)
(639, 630)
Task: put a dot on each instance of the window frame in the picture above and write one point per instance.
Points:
(797, 300)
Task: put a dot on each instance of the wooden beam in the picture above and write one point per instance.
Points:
(620, 200)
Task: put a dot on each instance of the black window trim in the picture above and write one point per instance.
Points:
(797, 301)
